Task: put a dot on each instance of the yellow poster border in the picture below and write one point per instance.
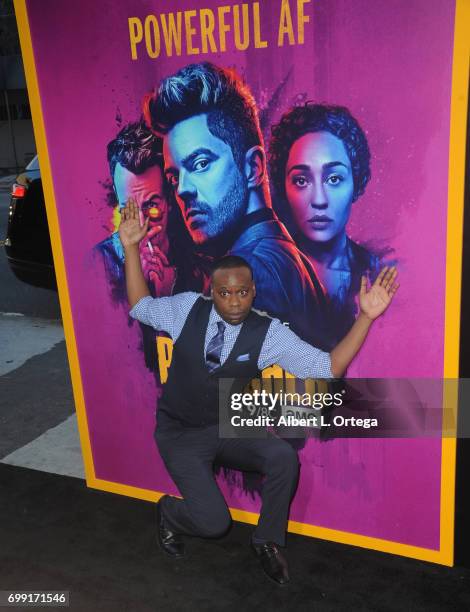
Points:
(457, 143)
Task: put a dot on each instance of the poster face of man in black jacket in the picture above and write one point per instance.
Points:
(215, 161)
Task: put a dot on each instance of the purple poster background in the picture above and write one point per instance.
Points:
(390, 64)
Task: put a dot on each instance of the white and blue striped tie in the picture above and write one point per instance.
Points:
(214, 348)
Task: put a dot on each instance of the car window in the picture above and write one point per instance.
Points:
(33, 164)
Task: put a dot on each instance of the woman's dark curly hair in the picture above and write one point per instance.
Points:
(311, 117)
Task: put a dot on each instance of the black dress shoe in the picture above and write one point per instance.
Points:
(272, 561)
(171, 543)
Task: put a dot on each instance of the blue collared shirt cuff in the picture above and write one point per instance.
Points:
(327, 366)
(139, 310)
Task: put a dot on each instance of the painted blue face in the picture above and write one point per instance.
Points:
(319, 186)
(209, 187)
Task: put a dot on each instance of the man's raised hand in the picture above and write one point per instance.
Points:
(375, 301)
(130, 230)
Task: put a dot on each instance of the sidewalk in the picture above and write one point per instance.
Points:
(37, 413)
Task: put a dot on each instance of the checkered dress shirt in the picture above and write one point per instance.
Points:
(281, 345)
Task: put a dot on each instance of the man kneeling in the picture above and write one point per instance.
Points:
(209, 335)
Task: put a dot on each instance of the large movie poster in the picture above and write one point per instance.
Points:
(310, 137)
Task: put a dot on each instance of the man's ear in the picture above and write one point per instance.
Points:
(255, 166)
(254, 290)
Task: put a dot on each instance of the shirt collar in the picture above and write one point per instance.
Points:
(214, 318)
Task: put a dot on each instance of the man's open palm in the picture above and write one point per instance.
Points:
(374, 301)
(130, 230)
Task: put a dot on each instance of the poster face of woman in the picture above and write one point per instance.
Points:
(319, 188)
(320, 164)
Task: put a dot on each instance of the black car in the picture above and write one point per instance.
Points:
(27, 244)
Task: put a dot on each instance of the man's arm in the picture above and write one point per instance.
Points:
(372, 303)
(345, 351)
(283, 347)
(166, 314)
(135, 282)
(131, 233)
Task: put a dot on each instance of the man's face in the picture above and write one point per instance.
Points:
(147, 190)
(233, 292)
(209, 187)
(319, 186)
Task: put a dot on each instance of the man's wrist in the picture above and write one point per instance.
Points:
(364, 320)
(131, 248)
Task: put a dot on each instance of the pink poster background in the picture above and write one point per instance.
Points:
(390, 64)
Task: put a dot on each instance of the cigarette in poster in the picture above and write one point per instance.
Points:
(149, 244)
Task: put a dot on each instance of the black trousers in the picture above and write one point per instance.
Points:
(189, 455)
